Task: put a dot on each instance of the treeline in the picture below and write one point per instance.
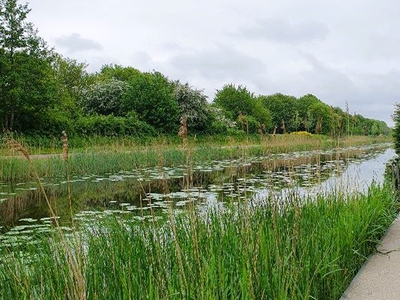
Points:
(44, 93)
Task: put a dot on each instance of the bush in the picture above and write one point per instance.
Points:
(219, 123)
(248, 124)
(113, 126)
(104, 98)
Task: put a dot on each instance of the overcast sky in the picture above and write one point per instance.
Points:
(335, 49)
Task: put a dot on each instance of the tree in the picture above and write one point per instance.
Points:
(337, 124)
(375, 129)
(282, 108)
(234, 100)
(383, 128)
(303, 105)
(219, 123)
(193, 104)
(27, 87)
(71, 76)
(118, 72)
(70, 79)
(296, 121)
(238, 101)
(151, 96)
(321, 116)
(104, 97)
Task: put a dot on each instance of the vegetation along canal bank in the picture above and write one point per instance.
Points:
(268, 225)
(160, 193)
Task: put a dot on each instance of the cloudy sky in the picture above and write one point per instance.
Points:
(341, 51)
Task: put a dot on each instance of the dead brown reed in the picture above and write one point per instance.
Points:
(65, 146)
(183, 131)
(17, 147)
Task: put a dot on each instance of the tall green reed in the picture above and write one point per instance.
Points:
(75, 287)
(292, 249)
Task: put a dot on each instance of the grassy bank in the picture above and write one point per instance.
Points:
(38, 145)
(293, 249)
(112, 155)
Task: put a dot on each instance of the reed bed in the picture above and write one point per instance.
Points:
(292, 248)
(102, 159)
(38, 145)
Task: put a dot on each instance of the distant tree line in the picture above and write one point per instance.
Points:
(43, 93)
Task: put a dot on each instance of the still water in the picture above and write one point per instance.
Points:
(134, 193)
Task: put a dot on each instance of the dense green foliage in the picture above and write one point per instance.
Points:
(110, 125)
(396, 129)
(283, 111)
(292, 249)
(241, 105)
(27, 89)
(308, 113)
(42, 93)
(151, 95)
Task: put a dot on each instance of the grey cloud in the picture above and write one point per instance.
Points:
(335, 87)
(326, 78)
(222, 62)
(144, 62)
(96, 62)
(282, 31)
(75, 43)
(386, 83)
(370, 95)
(329, 84)
(171, 46)
(384, 47)
(210, 69)
(382, 94)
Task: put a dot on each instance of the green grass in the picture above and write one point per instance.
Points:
(298, 248)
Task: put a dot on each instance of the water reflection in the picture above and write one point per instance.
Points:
(354, 177)
(135, 192)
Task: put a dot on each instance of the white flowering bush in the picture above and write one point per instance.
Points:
(220, 123)
(193, 104)
(104, 98)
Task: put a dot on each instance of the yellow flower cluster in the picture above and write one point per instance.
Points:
(302, 133)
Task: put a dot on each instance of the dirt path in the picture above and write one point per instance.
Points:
(32, 156)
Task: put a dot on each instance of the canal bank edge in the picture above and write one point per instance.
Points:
(379, 278)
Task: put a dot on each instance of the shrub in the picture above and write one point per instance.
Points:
(104, 97)
(113, 126)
